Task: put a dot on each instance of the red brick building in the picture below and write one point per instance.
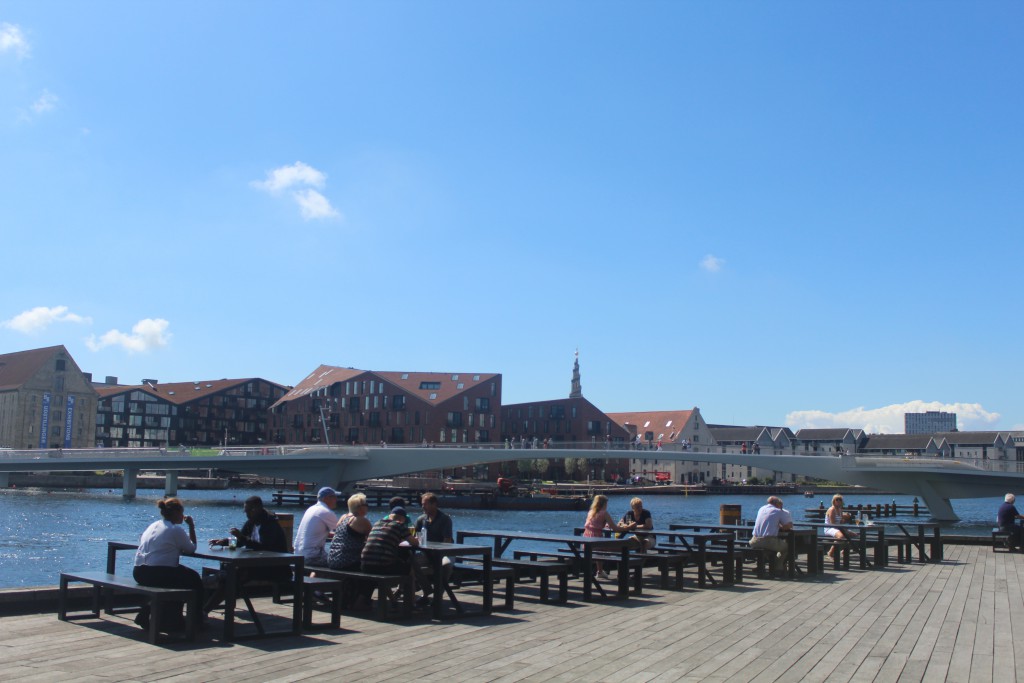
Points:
(348, 406)
(572, 422)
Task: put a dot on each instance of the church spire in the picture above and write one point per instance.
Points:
(577, 390)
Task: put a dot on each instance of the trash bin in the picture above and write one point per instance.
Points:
(287, 522)
(729, 514)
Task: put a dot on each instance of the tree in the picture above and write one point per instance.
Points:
(541, 466)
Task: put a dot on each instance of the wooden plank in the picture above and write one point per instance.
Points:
(949, 621)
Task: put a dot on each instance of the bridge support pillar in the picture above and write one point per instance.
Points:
(171, 483)
(131, 480)
(939, 507)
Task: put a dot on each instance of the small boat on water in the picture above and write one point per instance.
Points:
(808, 494)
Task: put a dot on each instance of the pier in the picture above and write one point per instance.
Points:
(949, 621)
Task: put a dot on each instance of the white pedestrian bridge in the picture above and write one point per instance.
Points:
(936, 480)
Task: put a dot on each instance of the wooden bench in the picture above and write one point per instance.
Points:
(1000, 539)
(841, 551)
(383, 583)
(322, 584)
(541, 571)
(461, 571)
(904, 548)
(112, 583)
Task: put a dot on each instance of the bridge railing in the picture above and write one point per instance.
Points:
(995, 465)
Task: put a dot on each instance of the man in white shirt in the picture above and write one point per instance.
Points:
(315, 528)
(771, 519)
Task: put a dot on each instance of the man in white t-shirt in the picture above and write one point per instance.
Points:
(771, 519)
(315, 528)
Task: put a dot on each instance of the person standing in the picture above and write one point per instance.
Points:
(317, 524)
(156, 561)
(1007, 517)
(771, 519)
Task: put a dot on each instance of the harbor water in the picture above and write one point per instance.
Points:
(45, 532)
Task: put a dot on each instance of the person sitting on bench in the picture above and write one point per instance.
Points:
(1007, 518)
(261, 531)
(156, 561)
(771, 519)
(641, 519)
(383, 552)
(835, 516)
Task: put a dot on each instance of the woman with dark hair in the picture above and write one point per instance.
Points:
(156, 561)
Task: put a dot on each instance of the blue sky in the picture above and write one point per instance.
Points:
(782, 213)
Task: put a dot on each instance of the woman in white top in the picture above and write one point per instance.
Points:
(156, 561)
(835, 515)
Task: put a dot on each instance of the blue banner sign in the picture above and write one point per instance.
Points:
(69, 421)
(44, 422)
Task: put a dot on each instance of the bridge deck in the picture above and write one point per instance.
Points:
(950, 621)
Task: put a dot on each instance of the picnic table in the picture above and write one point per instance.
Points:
(697, 544)
(436, 552)
(796, 540)
(581, 547)
(920, 539)
(230, 562)
(858, 536)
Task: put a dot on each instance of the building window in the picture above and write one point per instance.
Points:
(483, 405)
(398, 403)
(454, 419)
(61, 365)
(430, 385)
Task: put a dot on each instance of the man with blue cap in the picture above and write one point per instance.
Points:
(315, 528)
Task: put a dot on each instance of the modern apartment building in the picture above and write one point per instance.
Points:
(46, 401)
(929, 422)
(223, 412)
(335, 405)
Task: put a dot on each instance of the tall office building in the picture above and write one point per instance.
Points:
(929, 422)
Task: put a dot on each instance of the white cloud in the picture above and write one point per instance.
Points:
(889, 419)
(303, 177)
(47, 102)
(312, 204)
(13, 40)
(290, 176)
(712, 264)
(41, 317)
(146, 335)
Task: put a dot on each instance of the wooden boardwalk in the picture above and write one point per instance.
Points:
(950, 621)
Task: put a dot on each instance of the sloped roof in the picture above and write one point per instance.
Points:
(735, 433)
(321, 378)
(658, 421)
(833, 434)
(913, 442)
(450, 383)
(971, 438)
(19, 367)
(179, 392)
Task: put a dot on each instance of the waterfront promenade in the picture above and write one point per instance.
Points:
(951, 621)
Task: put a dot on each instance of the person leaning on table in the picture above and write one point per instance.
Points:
(156, 560)
(771, 519)
(1007, 518)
